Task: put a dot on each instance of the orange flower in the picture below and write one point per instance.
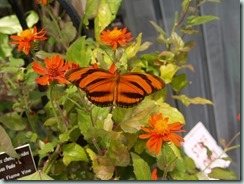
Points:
(26, 38)
(161, 132)
(115, 37)
(43, 1)
(55, 69)
(154, 174)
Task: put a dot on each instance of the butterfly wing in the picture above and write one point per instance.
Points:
(98, 84)
(133, 87)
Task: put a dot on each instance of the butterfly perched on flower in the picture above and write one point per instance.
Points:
(108, 87)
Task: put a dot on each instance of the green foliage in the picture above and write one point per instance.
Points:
(71, 138)
(141, 168)
(222, 174)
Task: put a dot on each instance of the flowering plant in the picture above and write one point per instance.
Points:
(71, 136)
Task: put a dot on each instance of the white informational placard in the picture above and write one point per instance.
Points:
(195, 145)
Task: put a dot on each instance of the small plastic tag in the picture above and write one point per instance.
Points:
(203, 149)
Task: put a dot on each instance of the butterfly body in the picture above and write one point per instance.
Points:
(104, 88)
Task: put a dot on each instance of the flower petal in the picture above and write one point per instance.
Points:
(39, 69)
(44, 80)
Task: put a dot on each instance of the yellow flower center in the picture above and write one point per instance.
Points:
(161, 127)
(26, 34)
(115, 34)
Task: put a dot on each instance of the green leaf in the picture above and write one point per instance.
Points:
(162, 36)
(166, 57)
(6, 144)
(176, 40)
(13, 121)
(179, 82)
(73, 152)
(38, 175)
(187, 101)
(171, 112)
(197, 20)
(106, 13)
(66, 135)
(222, 174)
(80, 52)
(131, 120)
(16, 62)
(90, 11)
(43, 54)
(5, 49)
(168, 71)
(185, 4)
(10, 25)
(141, 168)
(32, 18)
(45, 148)
(84, 122)
(68, 33)
(167, 156)
(134, 47)
(190, 165)
(102, 165)
(118, 153)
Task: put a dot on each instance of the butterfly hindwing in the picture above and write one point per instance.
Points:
(133, 87)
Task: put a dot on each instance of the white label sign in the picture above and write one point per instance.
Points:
(194, 147)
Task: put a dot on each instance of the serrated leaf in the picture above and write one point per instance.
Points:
(187, 101)
(73, 152)
(197, 20)
(38, 175)
(223, 174)
(141, 168)
(6, 144)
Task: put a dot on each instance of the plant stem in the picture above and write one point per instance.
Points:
(57, 27)
(61, 127)
(49, 163)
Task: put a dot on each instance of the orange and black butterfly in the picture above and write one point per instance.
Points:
(105, 88)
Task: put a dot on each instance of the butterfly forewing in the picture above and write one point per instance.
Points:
(105, 89)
